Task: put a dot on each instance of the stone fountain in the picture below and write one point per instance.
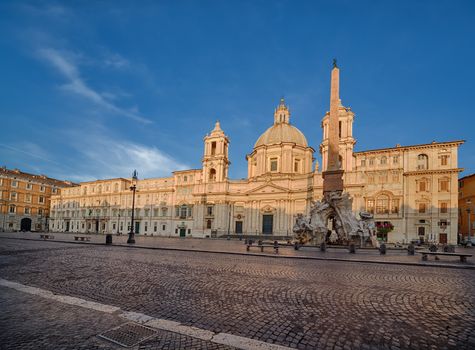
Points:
(336, 205)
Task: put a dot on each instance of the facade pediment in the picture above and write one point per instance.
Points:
(268, 188)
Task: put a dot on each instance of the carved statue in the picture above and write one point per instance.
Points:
(336, 205)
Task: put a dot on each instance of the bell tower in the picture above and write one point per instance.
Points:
(216, 159)
(343, 125)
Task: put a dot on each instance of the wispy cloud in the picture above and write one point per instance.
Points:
(65, 64)
(106, 156)
(115, 60)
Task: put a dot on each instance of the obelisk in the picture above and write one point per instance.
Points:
(333, 176)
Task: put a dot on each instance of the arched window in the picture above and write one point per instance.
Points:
(382, 204)
(422, 162)
(116, 187)
(212, 175)
(384, 160)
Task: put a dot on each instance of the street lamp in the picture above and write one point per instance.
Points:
(469, 240)
(229, 220)
(131, 239)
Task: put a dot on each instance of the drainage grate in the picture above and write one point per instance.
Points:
(128, 334)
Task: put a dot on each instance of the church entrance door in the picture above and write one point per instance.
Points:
(238, 227)
(267, 224)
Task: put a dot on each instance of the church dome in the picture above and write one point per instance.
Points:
(281, 132)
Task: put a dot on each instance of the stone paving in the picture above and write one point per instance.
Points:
(236, 246)
(305, 304)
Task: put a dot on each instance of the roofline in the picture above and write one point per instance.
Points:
(103, 180)
(458, 142)
(36, 177)
(467, 176)
(184, 171)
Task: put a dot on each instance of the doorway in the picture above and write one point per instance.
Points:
(25, 224)
(67, 226)
(182, 232)
(137, 227)
(443, 238)
(238, 227)
(267, 224)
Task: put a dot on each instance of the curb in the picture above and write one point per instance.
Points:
(382, 262)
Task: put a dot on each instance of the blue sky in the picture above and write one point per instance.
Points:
(96, 89)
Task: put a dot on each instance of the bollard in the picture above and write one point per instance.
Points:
(352, 248)
(276, 247)
(323, 247)
(296, 246)
(108, 239)
(382, 249)
(411, 249)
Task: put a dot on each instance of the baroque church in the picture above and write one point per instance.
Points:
(411, 190)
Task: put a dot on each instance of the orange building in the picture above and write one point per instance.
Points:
(25, 200)
(467, 206)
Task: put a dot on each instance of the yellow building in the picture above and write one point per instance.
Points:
(410, 188)
(467, 206)
(25, 200)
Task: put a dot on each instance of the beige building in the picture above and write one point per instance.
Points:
(25, 200)
(410, 188)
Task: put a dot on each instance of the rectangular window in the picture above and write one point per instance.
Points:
(14, 183)
(28, 198)
(443, 208)
(29, 186)
(155, 227)
(55, 190)
(371, 161)
(209, 210)
(164, 211)
(13, 196)
(163, 227)
(183, 211)
(422, 208)
(363, 162)
(40, 211)
(155, 212)
(41, 199)
(273, 164)
(12, 209)
(444, 160)
(395, 159)
(42, 189)
(444, 185)
(422, 186)
(27, 211)
(213, 148)
(297, 165)
(395, 206)
(370, 206)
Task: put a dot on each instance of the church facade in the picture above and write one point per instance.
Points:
(411, 190)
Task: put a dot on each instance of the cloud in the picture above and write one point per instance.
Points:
(116, 61)
(101, 156)
(64, 63)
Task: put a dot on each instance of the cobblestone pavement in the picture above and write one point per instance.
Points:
(234, 245)
(29, 322)
(297, 303)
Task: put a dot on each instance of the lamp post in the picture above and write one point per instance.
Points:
(118, 222)
(133, 188)
(229, 220)
(469, 240)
